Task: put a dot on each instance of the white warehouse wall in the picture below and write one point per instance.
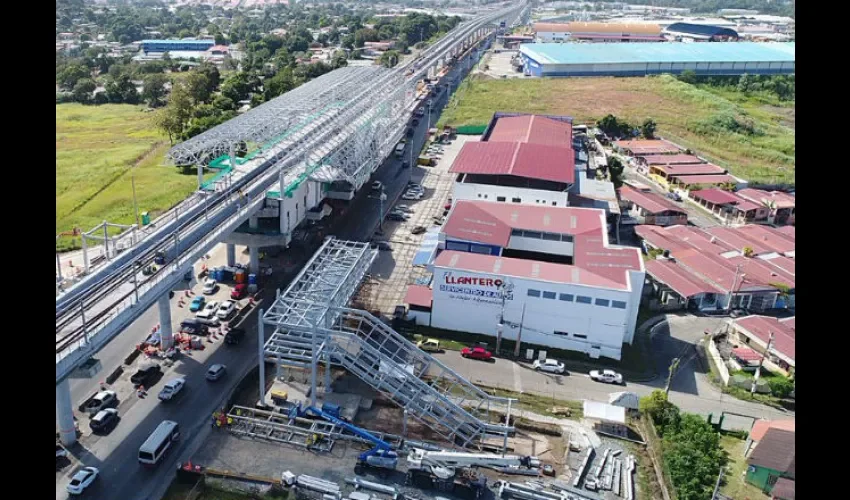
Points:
(477, 308)
(306, 196)
(487, 192)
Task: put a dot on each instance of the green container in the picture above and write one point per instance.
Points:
(146, 218)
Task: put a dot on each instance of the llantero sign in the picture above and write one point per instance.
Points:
(468, 280)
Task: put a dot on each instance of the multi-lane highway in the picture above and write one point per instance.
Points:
(116, 454)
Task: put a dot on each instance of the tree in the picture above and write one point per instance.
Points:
(339, 61)
(279, 84)
(688, 76)
(240, 86)
(83, 90)
(153, 89)
(72, 74)
(613, 127)
(199, 87)
(615, 171)
(657, 407)
(647, 129)
(693, 457)
(121, 90)
(389, 58)
(172, 119)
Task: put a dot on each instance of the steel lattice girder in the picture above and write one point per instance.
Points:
(274, 118)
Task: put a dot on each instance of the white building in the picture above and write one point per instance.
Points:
(546, 274)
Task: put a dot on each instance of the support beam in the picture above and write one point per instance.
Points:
(165, 331)
(65, 413)
(254, 264)
(231, 255)
(261, 342)
(253, 222)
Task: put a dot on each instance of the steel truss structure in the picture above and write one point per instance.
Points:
(312, 325)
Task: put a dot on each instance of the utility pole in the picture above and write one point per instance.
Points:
(717, 486)
(135, 203)
(673, 365)
(761, 363)
(501, 325)
(519, 334)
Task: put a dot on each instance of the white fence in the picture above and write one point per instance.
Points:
(718, 361)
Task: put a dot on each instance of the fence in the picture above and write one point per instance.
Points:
(718, 361)
(471, 129)
(653, 446)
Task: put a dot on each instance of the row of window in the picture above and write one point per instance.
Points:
(542, 236)
(579, 299)
(516, 200)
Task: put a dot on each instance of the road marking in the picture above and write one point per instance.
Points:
(517, 377)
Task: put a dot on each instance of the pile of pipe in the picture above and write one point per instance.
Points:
(628, 473)
(369, 485)
(534, 490)
(317, 484)
(584, 464)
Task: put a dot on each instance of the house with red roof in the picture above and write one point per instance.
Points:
(747, 206)
(521, 158)
(754, 332)
(718, 269)
(651, 208)
(547, 275)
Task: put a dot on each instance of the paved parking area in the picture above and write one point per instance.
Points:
(500, 65)
(393, 271)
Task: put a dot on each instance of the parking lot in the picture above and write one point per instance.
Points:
(393, 270)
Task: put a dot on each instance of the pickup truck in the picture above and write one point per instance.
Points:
(101, 401)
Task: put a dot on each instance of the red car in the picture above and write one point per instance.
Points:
(476, 353)
(239, 291)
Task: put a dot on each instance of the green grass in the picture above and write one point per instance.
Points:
(699, 118)
(733, 484)
(95, 147)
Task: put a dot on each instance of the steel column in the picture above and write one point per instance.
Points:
(254, 264)
(166, 334)
(231, 255)
(65, 413)
(261, 340)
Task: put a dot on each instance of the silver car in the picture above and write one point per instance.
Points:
(215, 372)
(606, 376)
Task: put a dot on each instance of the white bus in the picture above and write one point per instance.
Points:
(159, 442)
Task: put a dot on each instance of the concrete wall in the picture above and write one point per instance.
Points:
(718, 362)
(487, 192)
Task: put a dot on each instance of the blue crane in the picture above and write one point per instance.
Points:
(381, 456)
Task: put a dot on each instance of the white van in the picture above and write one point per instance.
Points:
(159, 442)
(399, 150)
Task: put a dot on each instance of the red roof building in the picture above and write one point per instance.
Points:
(675, 159)
(526, 160)
(689, 169)
(646, 147)
(754, 332)
(689, 182)
(651, 208)
(532, 129)
(746, 206)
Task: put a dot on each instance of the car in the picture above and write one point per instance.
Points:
(410, 195)
(226, 309)
(396, 217)
(239, 291)
(404, 208)
(591, 484)
(82, 480)
(606, 376)
(429, 345)
(674, 196)
(377, 185)
(196, 326)
(104, 420)
(209, 310)
(61, 452)
(405, 164)
(400, 212)
(415, 186)
(145, 375)
(215, 372)
(549, 366)
(210, 286)
(197, 303)
(171, 389)
(234, 336)
(412, 184)
(476, 353)
(100, 401)
(415, 122)
(418, 230)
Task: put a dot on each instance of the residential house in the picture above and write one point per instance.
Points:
(651, 208)
(754, 332)
(646, 147)
(760, 428)
(747, 206)
(774, 459)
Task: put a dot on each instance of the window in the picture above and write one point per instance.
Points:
(602, 302)
(551, 237)
(479, 249)
(533, 234)
(581, 299)
(516, 232)
(566, 238)
(618, 304)
(485, 196)
(479, 195)
(554, 203)
(451, 245)
(566, 297)
(534, 293)
(595, 346)
(549, 295)
(579, 336)
(516, 200)
(500, 198)
(560, 333)
(536, 201)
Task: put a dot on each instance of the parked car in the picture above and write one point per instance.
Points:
(377, 185)
(415, 122)
(429, 345)
(412, 195)
(61, 452)
(226, 309)
(215, 372)
(418, 230)
(396, 217)
(82, 480)
(234, 336)
(400, 213)
(104, 420)
(171, 389)
(476, 353)
(210, 286)
(145, 375)
(100, 401)
(606, 376)
(549, 366)
(405, 164)
(197, 303)
(674, 196)
(194, 326)
(209, 310)
(239, 291)
(404, 208)
(591, 484)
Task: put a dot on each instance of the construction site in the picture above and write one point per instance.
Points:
(342, 405)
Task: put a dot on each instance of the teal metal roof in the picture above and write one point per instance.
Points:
(662, 52)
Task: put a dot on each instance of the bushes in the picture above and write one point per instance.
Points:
(781, 387)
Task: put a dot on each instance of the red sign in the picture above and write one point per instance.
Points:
(469, 280)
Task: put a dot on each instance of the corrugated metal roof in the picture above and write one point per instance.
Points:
(531, 161)
(682, 282)
(777, 450)
(418, 295)
(690, 169)
(672, 52)
(784, 335)
(590, 27)
(648, 146)
(778, 198)
(649, 201)
(532, 129)
(697, 180)
(677, 159)
(700, 30)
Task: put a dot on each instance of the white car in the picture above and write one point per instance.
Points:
(606, 376)
(550, 366)
(226, 309)
(101, 400)
(82, 479)
(403, 208)
(210, 286)
(215, 372)
(209, 310)
(172, 389)
(377, 185)
(412, 195)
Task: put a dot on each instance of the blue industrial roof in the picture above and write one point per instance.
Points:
(198, 42)
(671, 52)
(701, 29)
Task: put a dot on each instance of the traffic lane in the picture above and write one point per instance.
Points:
(117, 454)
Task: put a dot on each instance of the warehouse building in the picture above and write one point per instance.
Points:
(631, 59)
(597, 32)
(176, 45)
(700, 33)
(547, 275)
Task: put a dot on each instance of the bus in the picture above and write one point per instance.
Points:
(159, 442)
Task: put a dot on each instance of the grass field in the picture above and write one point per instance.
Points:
(751, 136)
(734, 485)
(95, 146)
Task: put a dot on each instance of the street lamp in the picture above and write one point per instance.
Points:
(135, 203)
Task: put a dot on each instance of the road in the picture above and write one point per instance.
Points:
(116, 454)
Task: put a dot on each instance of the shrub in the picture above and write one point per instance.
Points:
(781, 387)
